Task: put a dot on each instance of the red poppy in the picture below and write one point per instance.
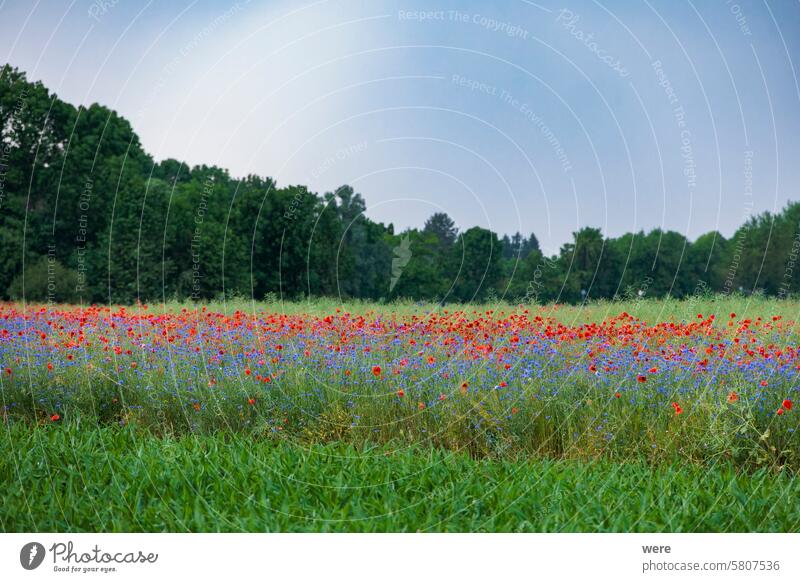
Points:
(787, 404)
(763, 382)
(641, 378)
(55, 418)
(376, 371)
(442, 397)
(464, 387)
(401, 393)
(503, 384)
(251, 401)
(421, 406)
(49, 366)
(653, 370)
(247, 371)
(514, 410)
(779, 412)
(733, 397)
(617, 395)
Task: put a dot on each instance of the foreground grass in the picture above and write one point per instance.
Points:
(69, 479)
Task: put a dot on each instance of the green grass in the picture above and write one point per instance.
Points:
(72, 479)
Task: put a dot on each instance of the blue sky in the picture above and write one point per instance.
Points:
(513, 115)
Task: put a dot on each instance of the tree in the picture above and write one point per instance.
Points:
(530, 245)
(417, 268)
(477, 255)
(581, 262)
(443, 228)
(81, 201)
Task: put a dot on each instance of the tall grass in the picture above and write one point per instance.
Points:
(110, 479)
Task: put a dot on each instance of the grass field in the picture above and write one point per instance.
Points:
(89, 479)
(635, 416)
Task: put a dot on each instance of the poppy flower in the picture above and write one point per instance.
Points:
(55, 417)
(442, 397)
(251, 401)
(617, 395)
(733, 397)
(641, 378)
(464, 387)
(653, 370)
(503, 384)
(49, 365)
(421, 406)
(376, 371)
(514, 410)
(787, 404)
(779, 412)
(401, 393)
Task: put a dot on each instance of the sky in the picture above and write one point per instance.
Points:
(514, 115)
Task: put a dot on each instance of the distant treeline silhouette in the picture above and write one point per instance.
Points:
(86, 215)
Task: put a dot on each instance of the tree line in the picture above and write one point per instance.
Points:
(86, 215)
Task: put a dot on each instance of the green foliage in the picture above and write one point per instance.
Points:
(78, 181)
(118, 480)
(46, 281)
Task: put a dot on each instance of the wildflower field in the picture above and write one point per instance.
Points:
(619, 416)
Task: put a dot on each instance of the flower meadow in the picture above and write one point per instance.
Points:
(692, 383)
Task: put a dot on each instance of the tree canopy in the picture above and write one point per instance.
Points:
(86, 215)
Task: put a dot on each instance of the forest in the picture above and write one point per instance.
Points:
(87, 216)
